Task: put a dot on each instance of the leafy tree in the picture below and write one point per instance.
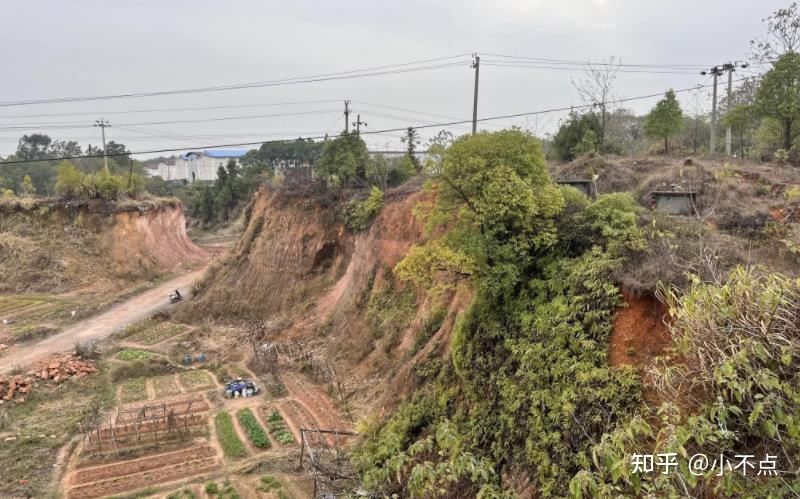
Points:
(741, 120)
(26, 189)
(571, 133)
(385, 172)
(64, 148)
(778, 96)
(589, 143)
(665, 119)
(344, 160)
(782, 37)
(34, 146)
(437, 146)
(411, 140)
(69, 181)
(118, 152)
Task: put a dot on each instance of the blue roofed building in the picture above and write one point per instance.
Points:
(201, 166)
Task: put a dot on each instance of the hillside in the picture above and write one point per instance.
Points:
(52, 246)
(398, 338)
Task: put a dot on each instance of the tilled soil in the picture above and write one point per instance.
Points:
(138, 480)
(87, 475)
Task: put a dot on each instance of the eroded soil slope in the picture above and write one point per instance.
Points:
(54, 247)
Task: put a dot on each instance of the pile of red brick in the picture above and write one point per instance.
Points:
(61, 369)
(55, 369)
(12, 386)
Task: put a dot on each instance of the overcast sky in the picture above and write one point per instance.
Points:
(69, 48)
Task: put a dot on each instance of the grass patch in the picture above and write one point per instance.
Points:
(165, 386)
(133, 390)
(269, 482)
(182, 494)
(41, 426)
(277, 426)
(195, 380)
(255, 432)
(131, 354)
(211, 488)
(231, 445)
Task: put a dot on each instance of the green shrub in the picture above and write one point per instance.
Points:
(359, 214)
(269, 482)
(228, 438)
(735, 372)
(254, 430)
(211, 488)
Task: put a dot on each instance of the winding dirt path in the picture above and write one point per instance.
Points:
(99, 326)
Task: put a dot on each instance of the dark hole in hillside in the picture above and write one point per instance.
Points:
(324, 256)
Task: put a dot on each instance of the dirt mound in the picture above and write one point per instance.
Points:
(52, 246)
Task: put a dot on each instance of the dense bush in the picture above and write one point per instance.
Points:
(72, 184)
(527, 387)
(359, 214)
(731, 389)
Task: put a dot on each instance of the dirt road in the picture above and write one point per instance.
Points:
(99, 326)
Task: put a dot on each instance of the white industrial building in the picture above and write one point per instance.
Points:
(198, 165)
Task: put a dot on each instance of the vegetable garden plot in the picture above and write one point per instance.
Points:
(133, 390)
(158, 333)
(195, 380)
(165, 386)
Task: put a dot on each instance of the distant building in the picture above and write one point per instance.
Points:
(198, 165)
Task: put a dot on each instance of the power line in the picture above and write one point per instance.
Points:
(603, 63)
(169, 109)
(582, 68)
(170, 122)
(356, 73)
(377, 132)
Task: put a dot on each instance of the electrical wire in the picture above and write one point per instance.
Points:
(168, 109)
(58, 125)
(342, 75)
(384, 131)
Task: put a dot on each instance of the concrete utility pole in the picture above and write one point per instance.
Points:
(358, 123)
(730, 103)
(477, 65)
(347, 116)
(716, 71)
(103, 124)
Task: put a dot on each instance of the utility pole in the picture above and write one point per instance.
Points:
(358, 123)
(477, 65)
(716, 71)
(103, 124)
(347, 116)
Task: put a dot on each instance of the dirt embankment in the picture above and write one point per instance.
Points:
(155, 240)
(55, 247)
(297, 268)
